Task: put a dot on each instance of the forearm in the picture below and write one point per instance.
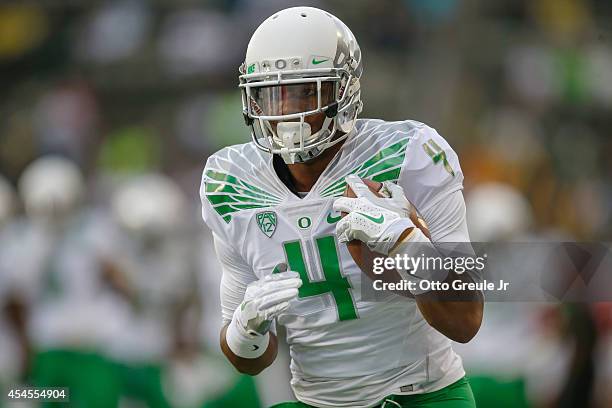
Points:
(245, 352)
(456, 314)
(250, 366)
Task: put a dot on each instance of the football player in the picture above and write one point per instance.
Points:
(274, 210)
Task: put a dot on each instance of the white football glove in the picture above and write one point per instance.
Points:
(247, 334)
(395, 208)
(378, 227)
(393, 198)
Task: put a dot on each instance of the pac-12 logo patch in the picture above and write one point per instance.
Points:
(267, 222)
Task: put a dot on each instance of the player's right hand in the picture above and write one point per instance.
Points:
(379, 228)
(390, 196)
(265, 299)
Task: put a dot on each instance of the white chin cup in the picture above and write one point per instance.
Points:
(288, 135)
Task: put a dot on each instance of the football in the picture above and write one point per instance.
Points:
(359, 251)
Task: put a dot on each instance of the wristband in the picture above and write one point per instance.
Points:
(404, 249)
(243, 344)
(390, 236)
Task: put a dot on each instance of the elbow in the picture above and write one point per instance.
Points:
(465, 336)
(252, 371)
(469, 327)
(460, 327)
(243, 365)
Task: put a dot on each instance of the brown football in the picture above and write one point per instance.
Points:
(361, 254)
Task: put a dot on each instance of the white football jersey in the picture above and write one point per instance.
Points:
(345, 351)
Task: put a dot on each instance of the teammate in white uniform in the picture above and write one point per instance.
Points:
(270, 205)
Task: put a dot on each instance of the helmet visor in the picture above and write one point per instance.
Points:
(289, 99)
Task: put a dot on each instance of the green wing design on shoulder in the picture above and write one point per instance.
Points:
(228, 194)
(382, 166)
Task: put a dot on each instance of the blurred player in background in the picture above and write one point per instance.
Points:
(547, 354)
(496, 213)
(159, 354)
(109, 300)
(73, 314)
(269, 205)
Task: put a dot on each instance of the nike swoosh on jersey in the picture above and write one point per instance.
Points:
(377, 220)
(315, 62)
(331, 219)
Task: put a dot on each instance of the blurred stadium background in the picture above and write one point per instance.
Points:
(108, 283)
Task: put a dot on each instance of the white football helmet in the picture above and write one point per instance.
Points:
(50, 188)
(301, 61)
(497, 212)
(150, 205)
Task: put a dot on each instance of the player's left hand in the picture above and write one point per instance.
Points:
(378, 227)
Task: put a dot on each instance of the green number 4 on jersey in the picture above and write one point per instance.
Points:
(334, 283)
(438, 155)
